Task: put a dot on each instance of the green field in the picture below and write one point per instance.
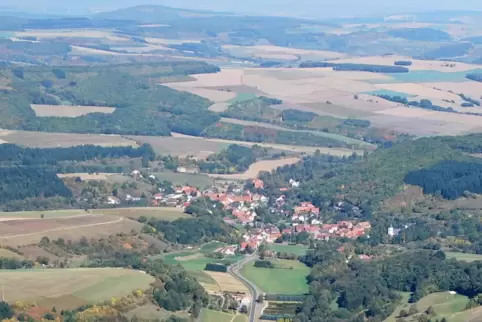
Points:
(464, 256)
(240, 97)
(211, 247)
(388, 92)
(69, 288)
(216, 316)
(283, 248)
(195, 180)
(291, 279)
(445, 305)
(427, 76)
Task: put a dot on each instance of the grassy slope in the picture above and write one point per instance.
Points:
(215, 316)
(279, 280)
(90, 285)
(464, 257)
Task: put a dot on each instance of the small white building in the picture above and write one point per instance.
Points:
(111, 200)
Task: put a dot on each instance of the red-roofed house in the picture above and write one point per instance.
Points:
(258, 183)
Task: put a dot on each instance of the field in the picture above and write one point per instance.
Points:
(216, 316)
(225, 283)
(464, 257)
(347, 94)
(152, 312)
(85, 33)
(451, 307)
(196, 180)
(16, 231)
(196, 261)
(136, 212)
(9, 254)
(50, 140)
(86, 176)
(282, 147)
(290, 279)
(255, 168)
(281, 53)
(69, 111)
(299, 250)
(70, 288)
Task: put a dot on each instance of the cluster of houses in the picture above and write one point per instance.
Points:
(181, 197)
(347, 229)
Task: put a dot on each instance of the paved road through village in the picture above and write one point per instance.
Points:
(255, 308)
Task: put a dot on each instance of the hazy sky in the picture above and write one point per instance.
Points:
(319, 8)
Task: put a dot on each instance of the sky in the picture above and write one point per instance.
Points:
(306, 8)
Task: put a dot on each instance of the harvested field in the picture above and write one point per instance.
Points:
(85, 176)
(30, 231)
(9, 254)
(181, 146)
(417, 64)
(469, 88)
(70, 288)
(149, 212)
(254, 169)
(59, 33)
(50, 140)
(50, 214)
(291, 148)
(276, 52)
(421, 90)
(69, 111)
(227, 283)
(219, 107)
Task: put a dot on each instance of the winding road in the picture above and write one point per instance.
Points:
(255, 308)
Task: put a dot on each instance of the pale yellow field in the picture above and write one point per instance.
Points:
(86, 33)
(165, 41)
(227, 283)
(69, 111)
(416, 64)
(49, 140)
(257, 167)
(276, 52)
(469, 88)
(291, 148)
(219, 107)
(85, 176)
(211, 94)
(420, 90)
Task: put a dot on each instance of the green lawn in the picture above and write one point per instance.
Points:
(240, 97)
(215, 316)
(195, 180)
(240, 318)
(464, 256)
(388, 92)
(211, 247)
(284, 248)
(288, 280)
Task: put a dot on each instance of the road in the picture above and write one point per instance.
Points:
(255, 308)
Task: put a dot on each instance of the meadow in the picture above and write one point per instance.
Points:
(197, 180)
(70, 288)
(288, 278)
(216, 316)
(257, 167)
(299, 250)
(464, 256)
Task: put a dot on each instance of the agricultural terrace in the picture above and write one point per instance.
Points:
(16, 231)
(71, 288)
(288, 277)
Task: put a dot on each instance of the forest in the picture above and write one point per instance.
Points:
(452, 179)
(192, 230)
(420, 34)
(18, 183)
(236, 158)
(374, 286)
(11, 154)
(129, 88)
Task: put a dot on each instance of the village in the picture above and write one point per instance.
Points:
(241, 203)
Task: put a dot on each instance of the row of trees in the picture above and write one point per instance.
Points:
(11, 154)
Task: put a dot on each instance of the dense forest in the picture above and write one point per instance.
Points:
(11, 154)
(452, 179)
(236, 158)
(372, 288)
(22, 183)
(192, 230)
